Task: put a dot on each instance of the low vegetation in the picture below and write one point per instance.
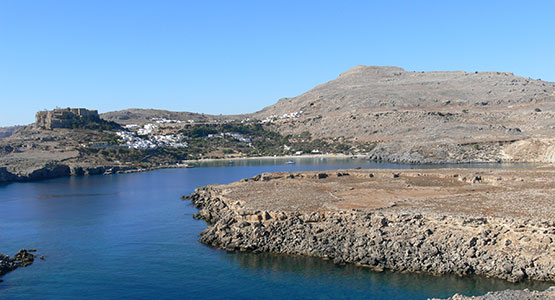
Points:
(222, 140)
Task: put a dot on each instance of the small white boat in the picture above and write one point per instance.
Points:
(290, 162)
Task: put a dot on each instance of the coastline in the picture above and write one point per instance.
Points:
(52, 170)
(343, 220)
(58, 169)
(22, 258)
(283, 157)
(548, 294)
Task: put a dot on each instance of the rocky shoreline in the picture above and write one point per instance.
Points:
(52, 170)
(526, 294)
(57, 170)
(22, 258)
(264, 214)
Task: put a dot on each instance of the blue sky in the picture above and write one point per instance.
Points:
(232, 57)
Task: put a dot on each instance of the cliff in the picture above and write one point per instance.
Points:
(496, 223)
(65, 118)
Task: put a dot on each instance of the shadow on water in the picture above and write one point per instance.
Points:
(350, 163)
(360, 278)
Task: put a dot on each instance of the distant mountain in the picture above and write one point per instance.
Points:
(364, 87)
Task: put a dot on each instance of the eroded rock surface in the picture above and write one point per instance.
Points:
(22, 258)
(497, 223)
(548, 294)
(427, 117)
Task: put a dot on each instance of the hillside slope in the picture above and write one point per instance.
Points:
(143, 116)
(425, 116)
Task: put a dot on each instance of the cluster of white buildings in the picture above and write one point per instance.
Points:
(133, 141)
(147, 129)
(273, 118)
(170, 140)
(288, 148)
(169, 121)
(234, 135)
(166, 121)
(239, 137)
(146, 137)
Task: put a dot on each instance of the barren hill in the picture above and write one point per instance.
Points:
(142, 116)
(427, 116)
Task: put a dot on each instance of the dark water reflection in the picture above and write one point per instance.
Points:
(364, 279)
(351, 162)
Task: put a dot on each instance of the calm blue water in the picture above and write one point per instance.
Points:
(129, 236)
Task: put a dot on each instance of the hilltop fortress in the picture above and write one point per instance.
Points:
(65, 117)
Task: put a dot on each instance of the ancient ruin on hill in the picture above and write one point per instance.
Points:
(65, 118)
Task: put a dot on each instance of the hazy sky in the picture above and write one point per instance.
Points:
(233, 57)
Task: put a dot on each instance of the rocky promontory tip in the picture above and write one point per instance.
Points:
(22, 258)
(495, 223)
(548, 294)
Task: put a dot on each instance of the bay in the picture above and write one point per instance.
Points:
(129, 236)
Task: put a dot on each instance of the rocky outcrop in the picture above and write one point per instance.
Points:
(56, 170)
(442, 153)
(100, 170)
(514, 249)
(65, 118)
(22, 258)
(532, 150)
(49, 170)
(548, 294)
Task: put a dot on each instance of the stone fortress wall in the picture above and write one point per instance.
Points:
(63, 117)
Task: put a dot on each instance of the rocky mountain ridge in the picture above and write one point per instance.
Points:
(384, 88)
(427, 116)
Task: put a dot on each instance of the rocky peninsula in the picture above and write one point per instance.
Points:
(22, 258)
(496, 223)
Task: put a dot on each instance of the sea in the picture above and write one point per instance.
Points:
(130, 236)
